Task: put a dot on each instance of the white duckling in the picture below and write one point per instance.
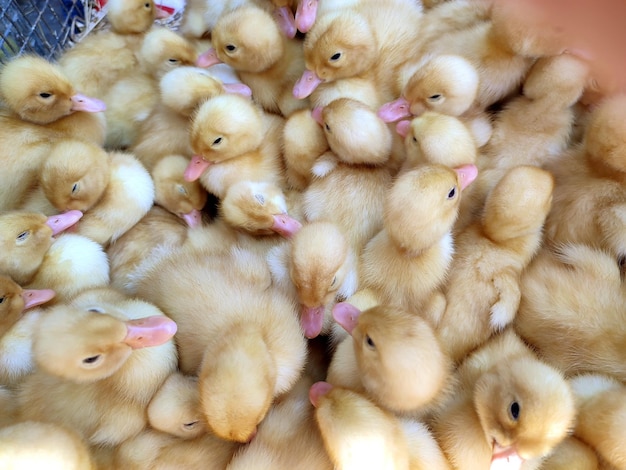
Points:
(100, 359)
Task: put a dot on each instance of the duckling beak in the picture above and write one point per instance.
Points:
(306, 84)
(33, 297)
(312, 320)
(316, 113)
(305, 15)
(238, 88)
(87, 104)
(193, 218)
(467, 174)
(208, 58)
(285, 225)
(394, 110)
(347, 315)
(286, 21)
(60, 222)
(149, 331)
(317, 391)
(402, 128)
(505, 458)
(195, 168)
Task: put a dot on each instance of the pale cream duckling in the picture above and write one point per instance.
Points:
(250, 41)
(601, 416)
(37, 91)
(14, 301)
(100, 359)
(409, 258)
(32, 444)
(369, 40)
(356, 432)
(166, 130)
(319, 265)
(239, 334)
(258, 208)
(175, 407)
(571, 453)
(400, 362)
(533, 128)
(577, 295)
(446, 84)
(510, 409)
(589, 197)
(172, 192)
(234, 140)
(288, 438)
(158, 230)
(437, 138)
(489, 258)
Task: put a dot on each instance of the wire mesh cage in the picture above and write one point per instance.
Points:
(47, 27)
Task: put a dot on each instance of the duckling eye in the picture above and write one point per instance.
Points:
(621, 264)
(514, 410)
(230, 48)
(75, 187)
(172, 61)
(334, 281)
(415, 139)
(190, 425)
(369, 342)
(327, 127)
(147, 5)
(452, 193)
(45, 95)
(23, 236)
(2, 299)
(91, 360)
(335, 57)
(181, 189)
(95, 309)
(217, 141)
(434, 98)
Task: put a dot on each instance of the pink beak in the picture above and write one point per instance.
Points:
(208, 58)
(60, 222)
(195, 168)
(238, 88)
(312, 320)
(394, 110)
(33, 297)
(317, 391)
(347, 315)
(467, 174)
(286, 21)
(306, 14)
(285, 225)
(402, 128)
(306, 85)
(317, 115)
(193, 218)
(87, 104)
(149, 331)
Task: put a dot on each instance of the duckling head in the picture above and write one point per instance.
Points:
(133, 16)
(163, 50)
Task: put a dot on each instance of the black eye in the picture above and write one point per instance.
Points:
(190, 425)
(2, 299)
(452, 193)
(217, 141)
(74, 188)
(45, 95)
(621, 264)
(514, 410)
(327, 127)
(335, 56)
(436, 97)
(91, 360)
(96, 310)
(230, 48)
(147, 5)
(415, 139)
(369, 342)
(23, 236)
(172, 61)
(334, 281)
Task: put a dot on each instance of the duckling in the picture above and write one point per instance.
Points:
(356, 432)
(73, 177)
(303, 142)
(424, 451)
(288, 437)
(601, 413)
(400, 361)
(533, 128)
(320, 267)
(175, 407)
(571, 453)
(132, 17)
(154, 450)
(234, 140)
(574, 294)
(171, 191)
(258, 208)
(250, 41)
(38, 91)
(284, 12)
(490, 257)
(437, 138)
(256, 333)
(369, 40)
(509, 407)
(92, 372)
(14, 301)
(589, 195)
(307, 11)
(409, 258)
(32, 444)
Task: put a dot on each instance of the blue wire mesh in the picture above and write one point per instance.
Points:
(42, 27)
